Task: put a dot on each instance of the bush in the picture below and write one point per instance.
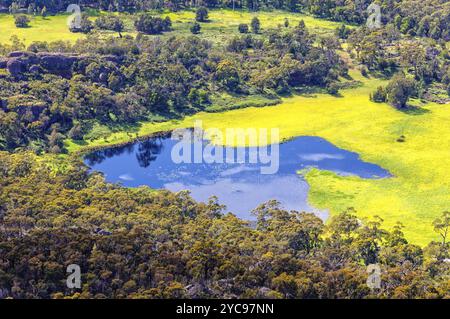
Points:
(22, 21)
(85, 25)
(201, 15)
(110, 22)
(343, 32)
(256, 25)
(76, 132)
(243, 28)
(364, 71)
(399, 90)
(227, 75)
(195, 29)
(379, 95)
(148, 24)
(239, 44)
(333, 88)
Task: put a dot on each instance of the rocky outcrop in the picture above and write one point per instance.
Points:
(57, 63)
(17, 66)
(18, 54)
(19, 62)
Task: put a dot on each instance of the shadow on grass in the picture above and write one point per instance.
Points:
(347, 77)
(308, 91)
(413, 110)
(80, 142)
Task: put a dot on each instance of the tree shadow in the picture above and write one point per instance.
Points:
(347, 76)
(413, 110)
(80, 142)
(308, 91)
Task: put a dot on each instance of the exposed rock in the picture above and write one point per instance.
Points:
(20, 62)
(17, 66)
(35, 69)
(57, 63)
(16, 54)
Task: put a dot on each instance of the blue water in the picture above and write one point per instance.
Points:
(241, 187)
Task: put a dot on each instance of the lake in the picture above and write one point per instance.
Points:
(239, 186)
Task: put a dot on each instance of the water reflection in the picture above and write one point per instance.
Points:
(241, 187)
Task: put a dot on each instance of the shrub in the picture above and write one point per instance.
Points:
(343, 32)
(256, 25)
(364, 71)
(399, 90)
(148, 24)
(201, 15)
(85, 25)
(21, 21)
(195, 29)
(228, 75)
(333, 88)
(243, 28)
(379, 95)
(110, 22)
(76, 132)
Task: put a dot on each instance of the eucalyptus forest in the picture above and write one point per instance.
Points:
(78, 88)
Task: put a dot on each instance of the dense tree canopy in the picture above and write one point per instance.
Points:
(137, 243)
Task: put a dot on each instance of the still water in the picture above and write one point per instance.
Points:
(241, 187)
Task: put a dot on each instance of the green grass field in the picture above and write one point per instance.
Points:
(223, 25)
(52, 28)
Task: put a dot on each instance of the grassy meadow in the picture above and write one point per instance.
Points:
(51, 28)
(222, 25)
